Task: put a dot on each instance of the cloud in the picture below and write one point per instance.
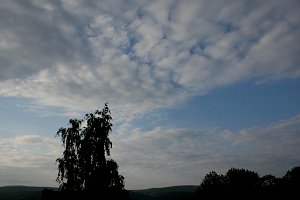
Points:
(141, 55)
(185, 155)
(31, 139)
(28, 160)
(34, 37)
(162, 156)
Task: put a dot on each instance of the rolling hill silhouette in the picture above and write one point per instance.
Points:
(165, 193)
(21, 192)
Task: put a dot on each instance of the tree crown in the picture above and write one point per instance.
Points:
(85, 162)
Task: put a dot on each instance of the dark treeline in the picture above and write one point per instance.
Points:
(235, 184)
(246, 184)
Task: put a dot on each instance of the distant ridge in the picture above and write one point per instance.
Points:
(19, 192)
(22, 188)
(166, 193)
(178, 188)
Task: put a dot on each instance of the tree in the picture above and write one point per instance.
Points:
(291, 180)
(213, 182)
(242, 181)
(268, 181)
(85, 164)
(293, 176)
(212, 186)
(246, 184)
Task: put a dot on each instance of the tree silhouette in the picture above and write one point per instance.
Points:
(213, 182)
(85, 164)
(246, 184)
(242, 180)
(291, 181)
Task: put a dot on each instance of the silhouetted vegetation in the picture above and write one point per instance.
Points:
(235, 184)
(85, 169)
(245, 184)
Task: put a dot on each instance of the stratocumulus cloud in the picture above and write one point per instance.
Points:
(26, 157)
(142, 55)
(175, 155)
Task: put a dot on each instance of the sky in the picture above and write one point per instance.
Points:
(193, 86)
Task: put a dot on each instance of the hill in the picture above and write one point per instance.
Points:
(166, 193)
(174, 192)
(21, 192)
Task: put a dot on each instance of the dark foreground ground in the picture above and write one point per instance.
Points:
(167, 193)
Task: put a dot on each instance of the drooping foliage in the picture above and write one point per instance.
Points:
(85, 164)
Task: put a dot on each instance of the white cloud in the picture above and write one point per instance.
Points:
(162, 156)
(28, 160)
(271, 54)
(142, 55)
(24, 139)
(184, 156)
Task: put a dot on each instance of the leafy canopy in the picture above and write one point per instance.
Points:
(85, 164)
